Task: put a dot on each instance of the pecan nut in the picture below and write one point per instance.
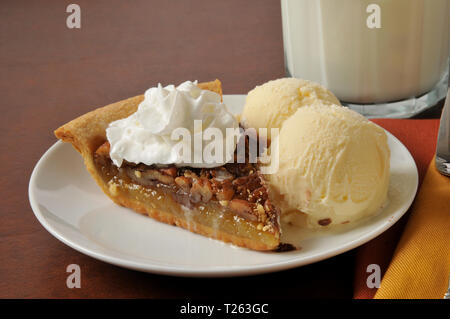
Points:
(201, 190)
(243, 208)
(184, 183)
(153, 174)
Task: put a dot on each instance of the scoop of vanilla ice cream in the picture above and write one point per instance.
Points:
(270, 104)
(333, 166)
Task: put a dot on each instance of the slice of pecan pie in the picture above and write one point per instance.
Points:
(229, 203)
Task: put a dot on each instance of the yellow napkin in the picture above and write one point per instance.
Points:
(420, 267)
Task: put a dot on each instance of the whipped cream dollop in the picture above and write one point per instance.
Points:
(146, 135)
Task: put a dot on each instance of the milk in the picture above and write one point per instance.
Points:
(329, 42)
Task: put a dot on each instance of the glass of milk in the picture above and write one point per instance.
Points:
(382, 58)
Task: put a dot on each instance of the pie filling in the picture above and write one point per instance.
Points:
(229, 203)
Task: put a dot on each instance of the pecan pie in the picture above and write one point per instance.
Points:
(229, 203)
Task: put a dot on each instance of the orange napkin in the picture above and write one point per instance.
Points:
(420, 267)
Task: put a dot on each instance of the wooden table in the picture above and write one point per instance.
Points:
(50, 74)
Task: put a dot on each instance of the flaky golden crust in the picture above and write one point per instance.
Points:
(87, 132)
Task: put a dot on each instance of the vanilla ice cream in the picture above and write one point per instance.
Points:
(270, 104)
(333, 165)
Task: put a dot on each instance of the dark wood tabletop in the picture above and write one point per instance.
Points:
(50, 74)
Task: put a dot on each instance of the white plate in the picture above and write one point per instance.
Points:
(70, 205)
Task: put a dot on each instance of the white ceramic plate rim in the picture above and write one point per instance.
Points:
(215, 271)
